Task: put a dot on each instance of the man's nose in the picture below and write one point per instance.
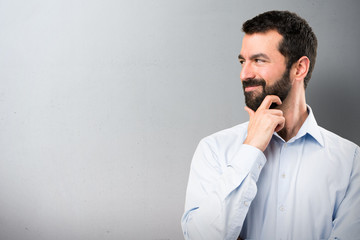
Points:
(247, 72)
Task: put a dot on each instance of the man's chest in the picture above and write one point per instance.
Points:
(298, 190)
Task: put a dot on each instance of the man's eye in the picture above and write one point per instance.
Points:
(241, 62)
(259, 60)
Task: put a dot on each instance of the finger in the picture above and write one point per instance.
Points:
(269, 99)
(280, 125)
(276, 112)
(249, 111)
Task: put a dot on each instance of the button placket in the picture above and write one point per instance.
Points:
(283, 188)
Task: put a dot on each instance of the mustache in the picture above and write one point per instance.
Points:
(253, 82)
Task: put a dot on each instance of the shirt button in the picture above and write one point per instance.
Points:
(282, 208)
(246, 203)
(283, 175)
(259, 166)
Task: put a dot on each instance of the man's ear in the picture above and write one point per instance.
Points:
(301, 68)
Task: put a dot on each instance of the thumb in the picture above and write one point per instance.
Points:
(249, 111)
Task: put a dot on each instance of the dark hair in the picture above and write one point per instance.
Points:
(298, 38)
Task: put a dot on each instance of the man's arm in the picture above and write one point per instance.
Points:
(217, 199)
(346, 224)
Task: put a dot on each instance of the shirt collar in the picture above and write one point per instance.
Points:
(310, 127)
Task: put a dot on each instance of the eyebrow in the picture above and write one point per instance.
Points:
(258, 55)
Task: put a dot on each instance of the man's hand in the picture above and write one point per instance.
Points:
(264, 122)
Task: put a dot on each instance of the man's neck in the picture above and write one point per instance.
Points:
(295, 112)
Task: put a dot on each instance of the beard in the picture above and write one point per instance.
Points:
(280, 88)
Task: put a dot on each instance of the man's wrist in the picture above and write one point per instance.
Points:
(251, 143)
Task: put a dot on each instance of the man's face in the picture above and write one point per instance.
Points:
(264, 69)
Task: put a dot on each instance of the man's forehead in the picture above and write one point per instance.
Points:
(270, 34)
(260, 43)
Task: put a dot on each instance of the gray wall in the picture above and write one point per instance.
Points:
(102, 104)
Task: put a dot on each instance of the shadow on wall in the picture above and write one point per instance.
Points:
(335, 102)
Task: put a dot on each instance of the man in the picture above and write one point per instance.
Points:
(280, 175)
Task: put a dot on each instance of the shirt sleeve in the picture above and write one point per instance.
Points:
(218, 197)
(346, 224)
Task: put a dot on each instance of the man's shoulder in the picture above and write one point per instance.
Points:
(335, 141)
(228, 135)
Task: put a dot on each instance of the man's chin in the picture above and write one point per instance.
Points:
(253, 102)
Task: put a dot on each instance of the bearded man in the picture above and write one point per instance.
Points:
(280, 175)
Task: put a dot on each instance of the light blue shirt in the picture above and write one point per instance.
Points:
(306, 188)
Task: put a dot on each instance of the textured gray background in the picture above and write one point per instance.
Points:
(102, 104)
